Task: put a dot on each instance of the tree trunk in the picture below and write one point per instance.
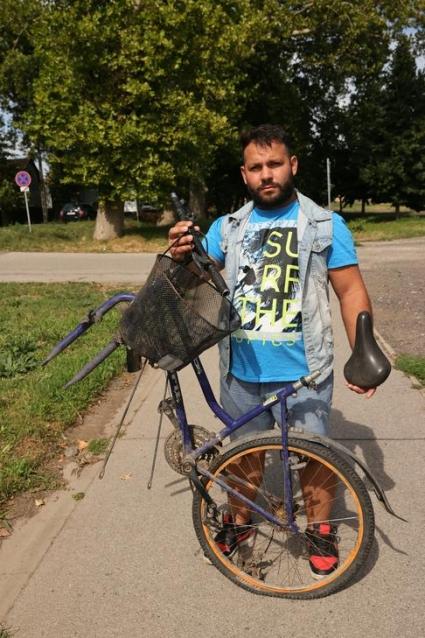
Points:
(363, 206)
(197, 198)
(397, 210)
(109, 220)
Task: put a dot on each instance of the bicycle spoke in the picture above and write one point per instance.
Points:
(275, 559)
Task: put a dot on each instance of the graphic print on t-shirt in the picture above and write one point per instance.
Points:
(268, 294)
(269, 345)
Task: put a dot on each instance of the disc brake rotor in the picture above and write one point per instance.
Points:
(174, 452)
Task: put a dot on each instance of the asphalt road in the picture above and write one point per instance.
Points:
(124, 561)
(134, 267)
(101, 267)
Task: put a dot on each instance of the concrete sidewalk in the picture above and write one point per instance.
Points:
(124, 561)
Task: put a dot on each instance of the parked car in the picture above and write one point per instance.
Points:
(146, 210)
(73, 212)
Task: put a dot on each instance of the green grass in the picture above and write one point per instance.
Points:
(98, 446)
(78, 237)
(5, 632)
(35, 409)
(378, 227)
(145, 237)
(412, 365)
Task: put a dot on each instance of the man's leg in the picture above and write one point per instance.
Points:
(310, 410)
(238, 397)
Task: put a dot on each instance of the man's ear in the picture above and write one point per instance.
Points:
(243, 173)
(294, 164)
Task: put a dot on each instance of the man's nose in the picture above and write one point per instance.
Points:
(266, 174)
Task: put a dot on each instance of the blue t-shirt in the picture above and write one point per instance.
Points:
(269, 346)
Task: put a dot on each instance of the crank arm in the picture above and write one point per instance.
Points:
(93, 317)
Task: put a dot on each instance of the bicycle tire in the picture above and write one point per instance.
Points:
(278, 565)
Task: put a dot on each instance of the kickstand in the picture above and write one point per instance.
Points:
(111, 447)
(155, 454)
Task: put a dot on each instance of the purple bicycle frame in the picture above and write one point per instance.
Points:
(230, 426)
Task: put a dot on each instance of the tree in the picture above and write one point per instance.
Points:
(137, 97)
(302, 79)
(9, 201)
(396, 165)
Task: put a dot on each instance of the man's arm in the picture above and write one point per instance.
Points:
(353, 298)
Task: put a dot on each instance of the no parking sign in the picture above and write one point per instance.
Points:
(23, 180)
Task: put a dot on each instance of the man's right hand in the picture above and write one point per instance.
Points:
(185, 243)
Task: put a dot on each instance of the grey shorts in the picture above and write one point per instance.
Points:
(308, 410)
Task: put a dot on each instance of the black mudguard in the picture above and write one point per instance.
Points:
(338, 448)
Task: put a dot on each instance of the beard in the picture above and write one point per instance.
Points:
(283, 194)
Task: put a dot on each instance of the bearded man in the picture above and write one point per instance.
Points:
(280, 251)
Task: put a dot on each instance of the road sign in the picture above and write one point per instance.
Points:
(22, 178)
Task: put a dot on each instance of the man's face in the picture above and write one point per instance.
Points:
(268, 172)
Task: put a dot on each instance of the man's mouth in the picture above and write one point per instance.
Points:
(268, 187)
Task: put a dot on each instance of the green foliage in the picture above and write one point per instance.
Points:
(412, 365)
(384, 135)
(133, 96)
(137, 97)
(398, 153)
(78, 237)
(34, 406)
(17, 355)
(98, 446)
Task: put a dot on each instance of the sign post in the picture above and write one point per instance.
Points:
(328, 179)
(23, 180)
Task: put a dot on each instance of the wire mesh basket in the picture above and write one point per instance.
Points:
(176, 316)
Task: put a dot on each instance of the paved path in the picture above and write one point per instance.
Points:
(124, 561)
(101, 267)
(134, 267)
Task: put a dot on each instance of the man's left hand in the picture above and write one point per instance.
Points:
(367, 392)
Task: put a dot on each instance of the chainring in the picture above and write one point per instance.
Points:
(174, 452)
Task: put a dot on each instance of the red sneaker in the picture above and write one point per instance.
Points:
(322, 546)
(232, 536)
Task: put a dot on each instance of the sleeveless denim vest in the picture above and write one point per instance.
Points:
(314, 231)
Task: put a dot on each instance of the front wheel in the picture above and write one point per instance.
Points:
(276, 561)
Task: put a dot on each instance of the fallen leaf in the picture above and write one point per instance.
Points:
(82, 444)
(4, 532)
(126, 477)
(39, 502)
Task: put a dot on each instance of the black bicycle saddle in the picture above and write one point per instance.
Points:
(368, 366)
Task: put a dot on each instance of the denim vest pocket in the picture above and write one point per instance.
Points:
(320, 243)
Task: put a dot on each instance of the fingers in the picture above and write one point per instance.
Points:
(184, 244)
(367, 392)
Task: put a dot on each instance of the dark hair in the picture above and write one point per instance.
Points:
(264, 135)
